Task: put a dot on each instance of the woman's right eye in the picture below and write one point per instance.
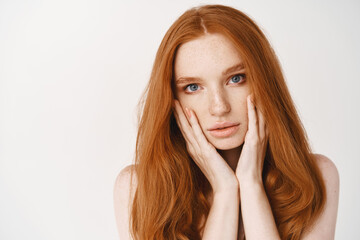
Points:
(191, 87)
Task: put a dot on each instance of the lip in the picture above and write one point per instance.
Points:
(218, 125)
(223, 129)
(225, 132)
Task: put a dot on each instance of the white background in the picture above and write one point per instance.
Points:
(71, 74)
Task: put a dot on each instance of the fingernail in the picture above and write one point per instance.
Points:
(252, 98)
(188, 112)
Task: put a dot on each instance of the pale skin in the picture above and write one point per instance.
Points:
(211, 87)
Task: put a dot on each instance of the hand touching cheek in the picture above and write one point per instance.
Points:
(251, 161)
(217, 171)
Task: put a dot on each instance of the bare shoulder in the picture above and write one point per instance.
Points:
(125, 184)
(329, 170)
(324, 227)
(126, 176)
(331, 178)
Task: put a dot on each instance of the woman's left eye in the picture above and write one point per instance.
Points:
(237, 78)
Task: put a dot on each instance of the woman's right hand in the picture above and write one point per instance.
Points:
(217, 171)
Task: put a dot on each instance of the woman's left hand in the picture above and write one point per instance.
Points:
(250, 164)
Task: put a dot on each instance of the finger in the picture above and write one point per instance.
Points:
(178, 121)
(262, 124)
(252, 119)
(180, 125)
(187, 129)
(199, 134)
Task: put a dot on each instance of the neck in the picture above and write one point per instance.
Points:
(231, 156)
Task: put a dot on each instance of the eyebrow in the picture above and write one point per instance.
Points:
(237, 67)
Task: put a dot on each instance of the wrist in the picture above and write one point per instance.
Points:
(250, 180)
(228, 188)
(250, 187)
(227, 195)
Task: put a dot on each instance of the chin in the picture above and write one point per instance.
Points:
(227, 143)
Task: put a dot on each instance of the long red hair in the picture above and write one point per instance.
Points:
(170, 196)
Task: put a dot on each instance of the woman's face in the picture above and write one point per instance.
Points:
(210, 80)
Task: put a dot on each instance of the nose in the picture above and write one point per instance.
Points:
(219, 104)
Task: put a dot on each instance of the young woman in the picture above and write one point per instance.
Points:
(221, 152)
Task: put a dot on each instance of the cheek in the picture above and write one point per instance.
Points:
(200, 111)
(239, 107)
(191, 102)
(194, 106)
(200, 114)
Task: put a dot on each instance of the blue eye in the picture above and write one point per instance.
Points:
(192, 87)
(237, 78)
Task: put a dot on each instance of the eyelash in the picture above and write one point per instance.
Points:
(243, 76)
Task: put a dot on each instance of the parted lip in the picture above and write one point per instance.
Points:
(222, 125)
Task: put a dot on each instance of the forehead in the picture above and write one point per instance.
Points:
(208, 53)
